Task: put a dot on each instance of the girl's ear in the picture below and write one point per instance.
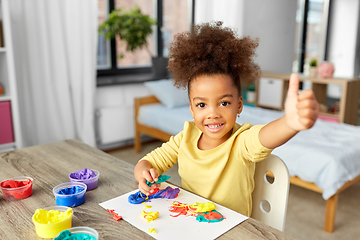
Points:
(240, 105)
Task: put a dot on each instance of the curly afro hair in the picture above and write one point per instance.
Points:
(209, 49)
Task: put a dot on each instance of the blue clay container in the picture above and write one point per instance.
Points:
(69, 200)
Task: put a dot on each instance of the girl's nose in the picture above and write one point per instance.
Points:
(213, 113)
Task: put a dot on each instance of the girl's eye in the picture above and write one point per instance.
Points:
(224, 103)
(200, 105)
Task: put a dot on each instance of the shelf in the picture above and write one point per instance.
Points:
(326, 114)
(8, 80)
(348, 103)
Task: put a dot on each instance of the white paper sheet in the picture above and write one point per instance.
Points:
(167, 227)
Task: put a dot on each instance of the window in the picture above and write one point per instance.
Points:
(173, 16)
(103, 56)
(311, 33)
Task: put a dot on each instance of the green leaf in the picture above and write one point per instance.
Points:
(131, 26)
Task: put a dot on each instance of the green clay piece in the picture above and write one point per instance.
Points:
(161, 178)
(67, 235)
(210, 217)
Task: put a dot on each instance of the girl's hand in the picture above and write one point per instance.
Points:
(150, 175)
(301, 110)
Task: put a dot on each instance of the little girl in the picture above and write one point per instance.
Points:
(216, 156)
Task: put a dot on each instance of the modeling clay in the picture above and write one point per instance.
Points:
(161, 178)
(67, 235)
(184, 209)
(116, 216)
(71, 190)
(52, 216)
(70, 197)
(213, 216)
(150, 216)
(139, 197)
(24, 191)
(204, 212)
(83, 174)
(181, 209)
(15, 184)
(202, 207)
(152, 230)
(147, 206)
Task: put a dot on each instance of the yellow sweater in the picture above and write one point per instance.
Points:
(224, 174)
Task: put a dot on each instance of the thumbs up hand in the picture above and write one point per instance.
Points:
(301, 110)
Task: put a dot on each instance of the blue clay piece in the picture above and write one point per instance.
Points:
(65, 197)
(69, 191)
(139, 197)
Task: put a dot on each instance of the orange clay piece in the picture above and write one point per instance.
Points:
(116, 216)
(150, 216)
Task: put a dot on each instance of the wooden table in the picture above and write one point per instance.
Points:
(50, 164)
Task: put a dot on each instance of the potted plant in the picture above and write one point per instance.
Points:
(134, 28)
(313, 68)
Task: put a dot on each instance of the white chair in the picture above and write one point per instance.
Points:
(270, 198)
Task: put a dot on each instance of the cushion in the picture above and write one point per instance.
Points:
(169, 95)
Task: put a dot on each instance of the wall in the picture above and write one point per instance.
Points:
(342, 40)
(231, 13)
(343, 32)
(273, 22)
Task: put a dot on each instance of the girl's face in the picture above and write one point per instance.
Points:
(214, 105)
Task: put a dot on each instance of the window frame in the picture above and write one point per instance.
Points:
(135, 71)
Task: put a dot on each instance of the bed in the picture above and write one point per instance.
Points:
(324, 159)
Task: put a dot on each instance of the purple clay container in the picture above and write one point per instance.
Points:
(91, 183)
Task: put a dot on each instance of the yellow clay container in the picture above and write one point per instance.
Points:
(55, 225)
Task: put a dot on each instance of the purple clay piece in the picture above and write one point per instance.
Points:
(83, 174)
(87, 176)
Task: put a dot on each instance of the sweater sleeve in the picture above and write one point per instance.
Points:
(163, 158)
(250, 146)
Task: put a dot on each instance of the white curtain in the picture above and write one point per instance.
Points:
(230, 12)
(55, 46)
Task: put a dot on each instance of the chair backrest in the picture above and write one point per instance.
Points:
(270, 198)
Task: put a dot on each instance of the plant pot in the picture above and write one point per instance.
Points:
(159, 67)
(313, 72)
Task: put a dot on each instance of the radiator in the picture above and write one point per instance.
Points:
(115, 124)
(114, 120)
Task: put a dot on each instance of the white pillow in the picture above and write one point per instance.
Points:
(167, 93)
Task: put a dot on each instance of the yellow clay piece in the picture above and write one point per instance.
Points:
(147, 206)
(53, 216)
(150, 216)
(152, 230)
(203, 207)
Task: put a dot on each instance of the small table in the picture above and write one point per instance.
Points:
(50, 164)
